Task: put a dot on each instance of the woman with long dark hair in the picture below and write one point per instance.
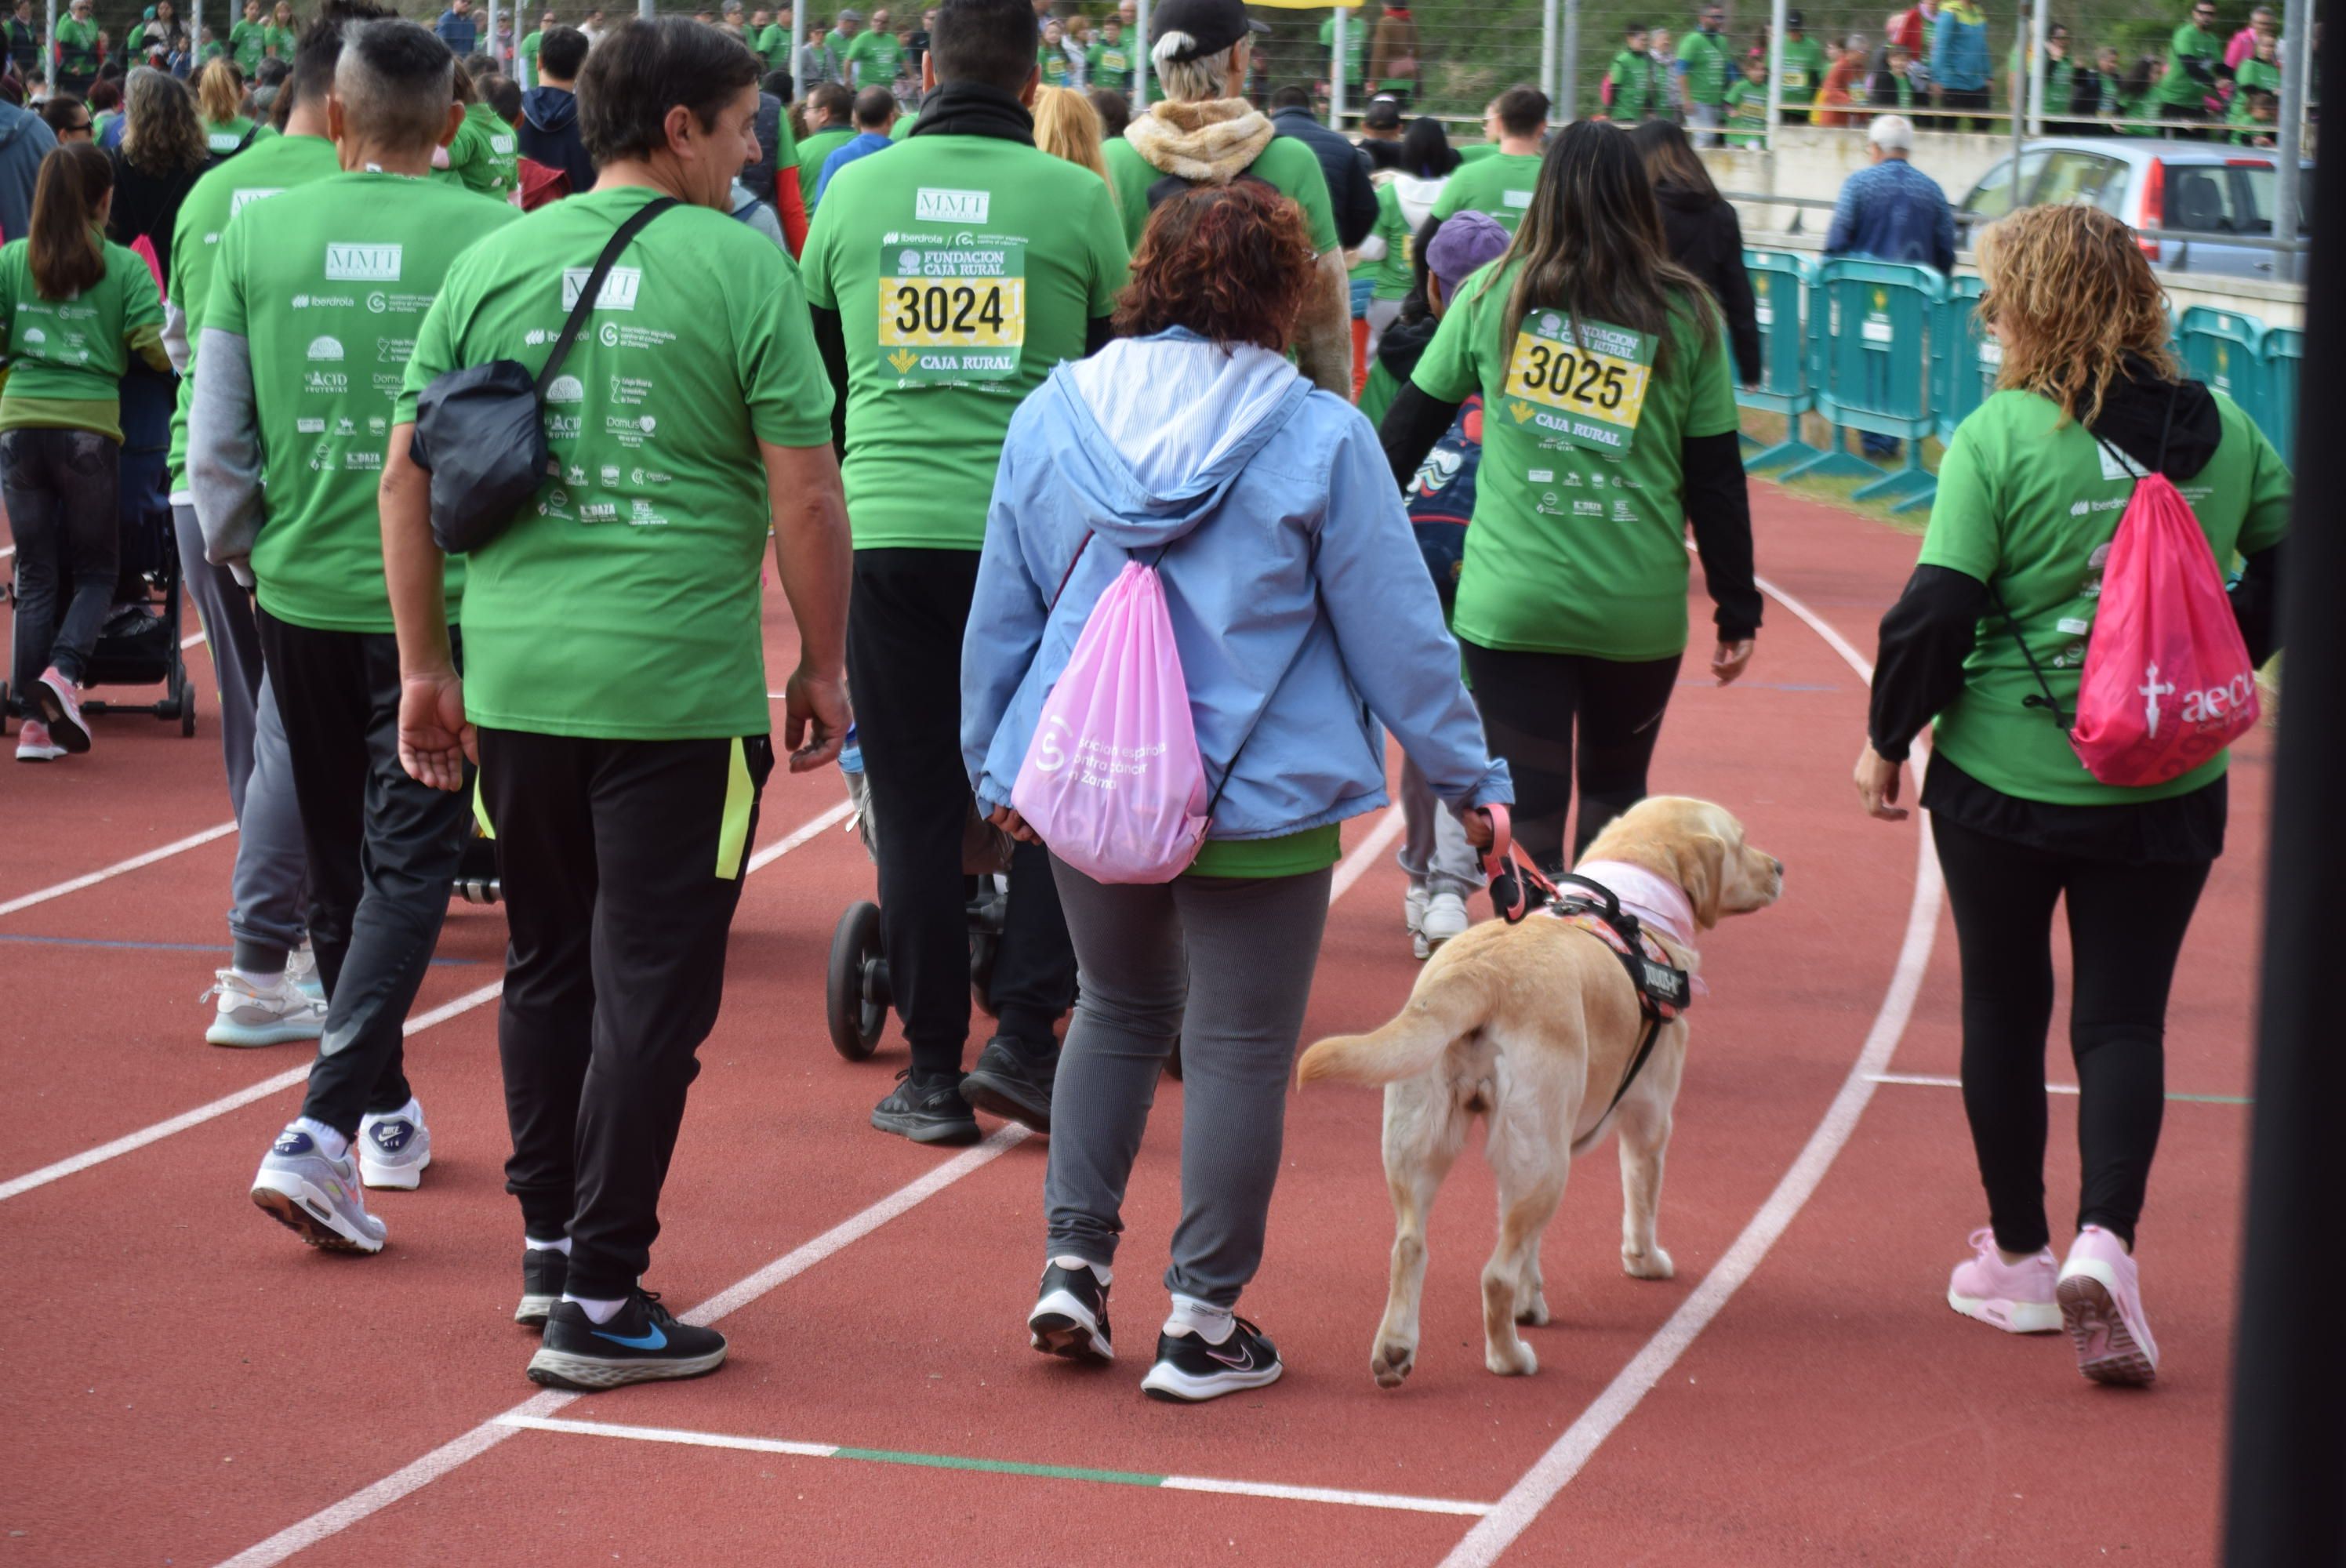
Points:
(2030, 496)
(1703, 234)
(73, 310)
(1613, 425)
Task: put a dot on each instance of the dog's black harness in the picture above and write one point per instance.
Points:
(1664, 989)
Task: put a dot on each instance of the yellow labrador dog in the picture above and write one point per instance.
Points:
(1533, 1025)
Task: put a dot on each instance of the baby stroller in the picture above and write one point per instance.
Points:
(139, 644)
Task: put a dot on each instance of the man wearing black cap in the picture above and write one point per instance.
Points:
(1380, 133)
(1205, 133)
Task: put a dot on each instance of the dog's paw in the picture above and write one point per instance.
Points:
(1522, 1362)
(1392, 1363)
(1534, 1311)
(1653, 1265)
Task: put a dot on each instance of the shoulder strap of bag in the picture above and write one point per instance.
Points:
(587, 296)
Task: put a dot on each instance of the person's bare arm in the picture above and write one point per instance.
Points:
(1323, 337)
(433, 737)
(814, 559)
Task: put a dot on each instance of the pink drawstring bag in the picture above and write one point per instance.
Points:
(2167, 683)
(1113, 781)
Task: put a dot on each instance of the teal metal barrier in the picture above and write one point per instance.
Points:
(2281, 354)
(1965, 360)
(1780, 289)
(1871, 367)
(2220, 348)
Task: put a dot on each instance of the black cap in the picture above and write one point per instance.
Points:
(1213, 25)
(1384, 113)
(1792, 20)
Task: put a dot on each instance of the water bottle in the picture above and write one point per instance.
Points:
(851, 754)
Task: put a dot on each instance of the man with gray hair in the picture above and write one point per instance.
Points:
(1205, 133)
(1892, 211)
(314, 308)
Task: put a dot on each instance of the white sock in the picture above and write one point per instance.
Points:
(1100, 1271)
(1210, 1323)
(260, 981)
(411, 1111)
(597, 1311)
(561, 1246)
(334, 1144)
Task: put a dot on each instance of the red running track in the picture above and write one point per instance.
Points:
(187, 1385)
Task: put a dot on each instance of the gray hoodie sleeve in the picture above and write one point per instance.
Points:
(224, 452)
(174, 335)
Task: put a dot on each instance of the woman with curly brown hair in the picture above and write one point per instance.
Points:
(2030, 495)
(1300, 606)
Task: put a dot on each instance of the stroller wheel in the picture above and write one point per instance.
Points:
(855, 989)
(187, 706)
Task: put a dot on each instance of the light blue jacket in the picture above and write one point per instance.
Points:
(1958, 52)
(1295, 587)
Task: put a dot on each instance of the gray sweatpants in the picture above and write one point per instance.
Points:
(1433, 847)
(267, 889)
(1225, 966)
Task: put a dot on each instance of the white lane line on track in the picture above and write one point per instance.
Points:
(163, 852)
(1218, 1485)
(410, 1477)
(187, 642)
(294, 1076)
(1555, 1470)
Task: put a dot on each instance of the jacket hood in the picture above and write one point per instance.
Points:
(1685, 199)
(550, 108)
(2135, 416)
(1417, 196)
(13, 121)
(1210, 142)
(1403, 344)
(1148, 433)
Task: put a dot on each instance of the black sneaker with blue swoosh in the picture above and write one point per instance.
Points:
(1190, 1369)
(642, 1343)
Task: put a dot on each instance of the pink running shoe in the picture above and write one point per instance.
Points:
(2101, 1302)
(2014, 1297)
(61, 705)
(34, 745)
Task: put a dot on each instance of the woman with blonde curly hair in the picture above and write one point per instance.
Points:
(2030, 496)
(219, 92)
(1068, 126)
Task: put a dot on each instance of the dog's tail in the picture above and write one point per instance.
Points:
(1449, 1006)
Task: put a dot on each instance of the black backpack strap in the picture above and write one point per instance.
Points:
(2048, 701)
(585, 307)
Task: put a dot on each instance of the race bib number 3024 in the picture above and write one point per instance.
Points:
(952, 309)
(1585, 383)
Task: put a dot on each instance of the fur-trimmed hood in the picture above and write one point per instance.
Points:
(1210, 142)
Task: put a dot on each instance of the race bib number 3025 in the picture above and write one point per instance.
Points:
(1585, 383)
(952, 310)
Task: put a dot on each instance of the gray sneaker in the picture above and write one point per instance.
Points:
(316, 1198)
(393, 1150)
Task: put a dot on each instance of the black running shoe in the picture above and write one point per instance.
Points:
(926, 1108)
(1012, 1080)
(1070, 1316)
(545, 1273)
(642, 1343)
(1188, 1370)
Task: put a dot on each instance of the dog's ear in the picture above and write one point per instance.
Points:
(1702, 871)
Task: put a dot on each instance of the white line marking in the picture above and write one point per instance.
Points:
(1920, 1081)
(242, 1097)
(1356, 864)
(1554, 1471)
(687, 1438)
(165, 852)
(6, 552)
(187, 642)
(413, 1477)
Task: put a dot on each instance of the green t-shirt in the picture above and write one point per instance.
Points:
(210, 52)
(76, 47)
(1636, 83)
(772, 47)
(1476, 152)
(329, 293)
(1704, 55)
(227, 136)
(1290, 855)
(1804, 75)
(67, 356)
(1112, 66)
(527, 54)
(872, 59)
(2189, 43)
(2260, 75)
(623, 604)
(1290, 167)
(1500, 186)
(1391, 275)
(246, 40)
(2030, 504)
(1747, 114)
(1052, 61)
(903, 125)
(277, 41)
(1577, 543)
(1356, 49)
(271, 164)
(962, 269)
(485, 155)
(811, 152)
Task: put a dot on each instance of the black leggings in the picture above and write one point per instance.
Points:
(1530, 702)
(2125, 929)
(60, 488)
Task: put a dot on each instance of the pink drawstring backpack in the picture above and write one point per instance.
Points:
(2167, 683)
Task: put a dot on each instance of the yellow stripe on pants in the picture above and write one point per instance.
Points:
(733, 831)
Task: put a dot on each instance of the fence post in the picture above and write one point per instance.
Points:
(2295, 31)
(1336, 63)
(798, 49)
(1549, 44)
(1568, 66)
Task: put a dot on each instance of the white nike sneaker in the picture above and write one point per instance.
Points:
(1445, 917)
(302, 969)
(315, 1195)
(261, 1012)
(394, 1149)
(1413, 908)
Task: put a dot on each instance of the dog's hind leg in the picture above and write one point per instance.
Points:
(1527, 1153)
(1643, 1125)
(1424, 1129)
